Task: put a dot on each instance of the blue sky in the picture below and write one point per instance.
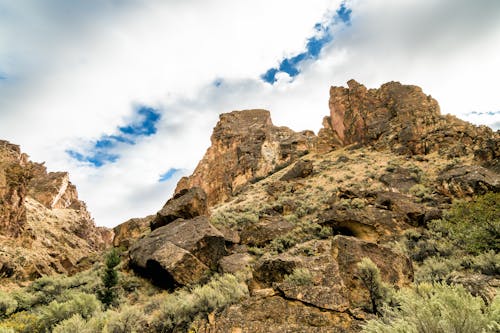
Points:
(102, 150)
(124, 94)
(323, 36)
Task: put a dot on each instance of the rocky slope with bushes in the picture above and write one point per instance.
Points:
(387, 221)
(44, 228)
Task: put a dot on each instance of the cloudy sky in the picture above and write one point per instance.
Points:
(124, 94)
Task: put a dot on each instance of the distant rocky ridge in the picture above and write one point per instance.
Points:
(44, 227)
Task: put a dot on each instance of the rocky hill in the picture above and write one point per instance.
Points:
(390, 215)
(296, 212)
(44, 228)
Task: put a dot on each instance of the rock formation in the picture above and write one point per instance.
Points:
(402, 118)
(44, 227)
(245, 146)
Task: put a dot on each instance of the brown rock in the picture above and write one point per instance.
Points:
(128, 232)
(197, 239)
(186, 204)
(301, 169)
(235, 263)
(166, 264)
(326, 289)
(468, 180)
(265, 230)
(245, 146)
(369, 223)
(406, 209)
(14, 179)
(395, 269)
(400, 118)
(275, 314)
(400, 179)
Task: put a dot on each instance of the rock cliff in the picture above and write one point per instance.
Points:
(404, 119)
(245, 146)
(44, 227)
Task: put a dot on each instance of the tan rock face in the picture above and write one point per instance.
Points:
(402, 118)
(129, 231)
(245, 146)
(14, 179)
(44, 227)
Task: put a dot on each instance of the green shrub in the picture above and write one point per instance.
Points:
(129, 319)
(473, 226)
(437, 308)
(487, 263)
(299, 277)
(369, 275)
(181, 307)
(8, 304)
(75, 324)
(108, 295)
(436, 269)
(83, 304)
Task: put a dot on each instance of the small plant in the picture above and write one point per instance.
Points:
(299, 277)
(108, 294)
(369, 274)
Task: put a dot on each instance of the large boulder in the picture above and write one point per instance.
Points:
(186, 204)
(128, 232)
(395, 269)
(166, 264)
(368, 223)
(468, 180)
(195, 246)
(265, 230)
(301, 169)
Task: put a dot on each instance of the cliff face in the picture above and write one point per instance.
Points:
(14, 179)
(44, 227)
(403, 119)
(245, 146)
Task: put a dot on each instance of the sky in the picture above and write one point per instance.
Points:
(124, 94)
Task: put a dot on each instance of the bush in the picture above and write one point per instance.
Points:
(369, 274)
(474, 226)
(299, 277)
(436, 269)
(437, 308)
(181, 307)
(128, 319)
(487, 263)
(107, 295)
(8, 304)
(83, 304)
(75, 324)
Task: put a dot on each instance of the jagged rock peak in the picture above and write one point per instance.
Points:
(245, 146)
(401, 118)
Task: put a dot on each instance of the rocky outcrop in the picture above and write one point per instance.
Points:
(301, 169)
(44, 227)
(53, 189)
(128, 232)
(15, 175)
(180, 252)
(403, 119)
(265, 230)
(468, 180)
(245, 146)
(186, 204)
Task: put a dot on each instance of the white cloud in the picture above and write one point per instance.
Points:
(75, 74)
